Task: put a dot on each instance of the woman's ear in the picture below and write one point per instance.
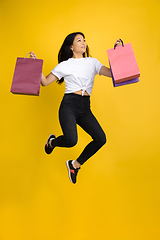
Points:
(71, 47)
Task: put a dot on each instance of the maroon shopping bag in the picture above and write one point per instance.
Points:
(123, 64)
(27, 76)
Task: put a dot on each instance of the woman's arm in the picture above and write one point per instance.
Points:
(105, 71)
(49, 78)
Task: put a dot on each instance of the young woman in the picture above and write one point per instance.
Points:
(78, 70)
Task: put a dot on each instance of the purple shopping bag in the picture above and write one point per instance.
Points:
(27, 76)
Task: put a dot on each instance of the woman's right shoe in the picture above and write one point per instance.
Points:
(48, 148)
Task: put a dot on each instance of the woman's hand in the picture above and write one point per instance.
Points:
(32, 55)
(118, 43)
(44, 80)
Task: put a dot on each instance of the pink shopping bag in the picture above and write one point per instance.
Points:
(123, 83)
(123, 63)
(27, 76)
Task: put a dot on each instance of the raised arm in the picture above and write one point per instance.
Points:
(49, 78)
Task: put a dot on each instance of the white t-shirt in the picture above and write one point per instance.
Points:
(78, 73)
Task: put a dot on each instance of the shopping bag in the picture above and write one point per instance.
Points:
(123, 83)
(27, 76)
(123, 63)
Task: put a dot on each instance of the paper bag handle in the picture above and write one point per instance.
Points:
(29, 53)
(116, 44)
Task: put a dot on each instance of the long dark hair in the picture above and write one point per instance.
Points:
(65, 52)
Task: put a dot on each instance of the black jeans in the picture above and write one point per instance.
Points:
(75, 109)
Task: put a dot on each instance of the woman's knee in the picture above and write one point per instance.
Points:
(71, 142)
(102, 140)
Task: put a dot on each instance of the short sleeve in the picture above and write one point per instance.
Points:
(57, 71)
(98, 65)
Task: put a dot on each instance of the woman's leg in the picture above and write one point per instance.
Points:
(68, 113)
(68, 124)
(90, 124)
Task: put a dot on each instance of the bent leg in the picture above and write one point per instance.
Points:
(90, 124)
(68, 124)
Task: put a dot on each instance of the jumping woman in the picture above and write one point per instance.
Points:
(77, 69)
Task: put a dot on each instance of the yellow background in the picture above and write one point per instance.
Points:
(117, 195)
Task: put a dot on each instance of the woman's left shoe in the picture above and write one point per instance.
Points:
(48, 148)
(72, 171)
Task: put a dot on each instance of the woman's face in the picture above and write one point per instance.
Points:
(79, 45)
